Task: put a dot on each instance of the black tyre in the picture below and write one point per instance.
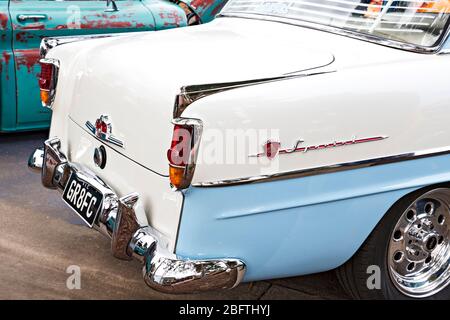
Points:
(407, 256)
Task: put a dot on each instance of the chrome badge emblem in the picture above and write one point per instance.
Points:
(273, 148)
(103, 130)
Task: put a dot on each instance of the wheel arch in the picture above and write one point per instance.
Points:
(412, 194)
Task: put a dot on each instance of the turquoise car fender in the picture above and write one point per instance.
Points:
(20, 106)
(205, 10)
(7, 74)
(167, 15)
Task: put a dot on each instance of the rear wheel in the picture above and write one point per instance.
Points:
(410, 249)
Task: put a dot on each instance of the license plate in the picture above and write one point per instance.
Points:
(83, 198)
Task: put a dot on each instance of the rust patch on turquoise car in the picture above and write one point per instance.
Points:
(171, 18)
(3, 20)
(32, 26)
(103, 24)
(23, 36)
(207, 9)
(5, 58)
(103, 21)
(26, 58)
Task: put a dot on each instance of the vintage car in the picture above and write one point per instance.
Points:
(23, 24)
(300, 139)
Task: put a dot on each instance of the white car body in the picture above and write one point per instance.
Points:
(311, 88)
(327, 110)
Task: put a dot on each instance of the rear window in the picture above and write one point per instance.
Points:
(421, 23)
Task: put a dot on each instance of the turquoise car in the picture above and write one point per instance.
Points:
(23, 24)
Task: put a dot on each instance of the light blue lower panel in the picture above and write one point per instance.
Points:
(298, 226)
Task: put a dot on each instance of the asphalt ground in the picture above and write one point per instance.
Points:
(40, 238)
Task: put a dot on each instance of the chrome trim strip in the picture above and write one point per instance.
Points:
(298, 147)
(91, 127)
(346, 33)
(52, 42)
(190, 94)
(328, 169)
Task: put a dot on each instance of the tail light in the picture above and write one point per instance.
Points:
(47, 81)
(183, 151)
(427, 6)
(441, 6)
(374, 8)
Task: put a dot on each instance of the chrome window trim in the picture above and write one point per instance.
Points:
(347, 33)
(329, 169)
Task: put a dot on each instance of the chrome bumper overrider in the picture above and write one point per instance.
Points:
(162, 270)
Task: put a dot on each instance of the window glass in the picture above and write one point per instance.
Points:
(420, 23)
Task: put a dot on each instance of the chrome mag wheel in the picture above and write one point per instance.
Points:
(419, 248)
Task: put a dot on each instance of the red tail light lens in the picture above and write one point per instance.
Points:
(47, 80)
(46, 77)
(437, 7)
(180, 148)
(183, 152)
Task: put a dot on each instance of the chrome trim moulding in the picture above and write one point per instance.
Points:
(162, 270)
(52, 42)
(328, 169)
(190, 94)
(347, 33)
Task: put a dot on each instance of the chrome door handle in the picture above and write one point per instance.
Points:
(24, 17)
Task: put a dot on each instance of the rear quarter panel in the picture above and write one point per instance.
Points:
(316, 223)
(400, 100)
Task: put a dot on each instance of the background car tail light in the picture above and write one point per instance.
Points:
(440, 6)
(182, 154)
(47, 80)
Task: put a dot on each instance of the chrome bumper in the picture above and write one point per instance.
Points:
(162, 270)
